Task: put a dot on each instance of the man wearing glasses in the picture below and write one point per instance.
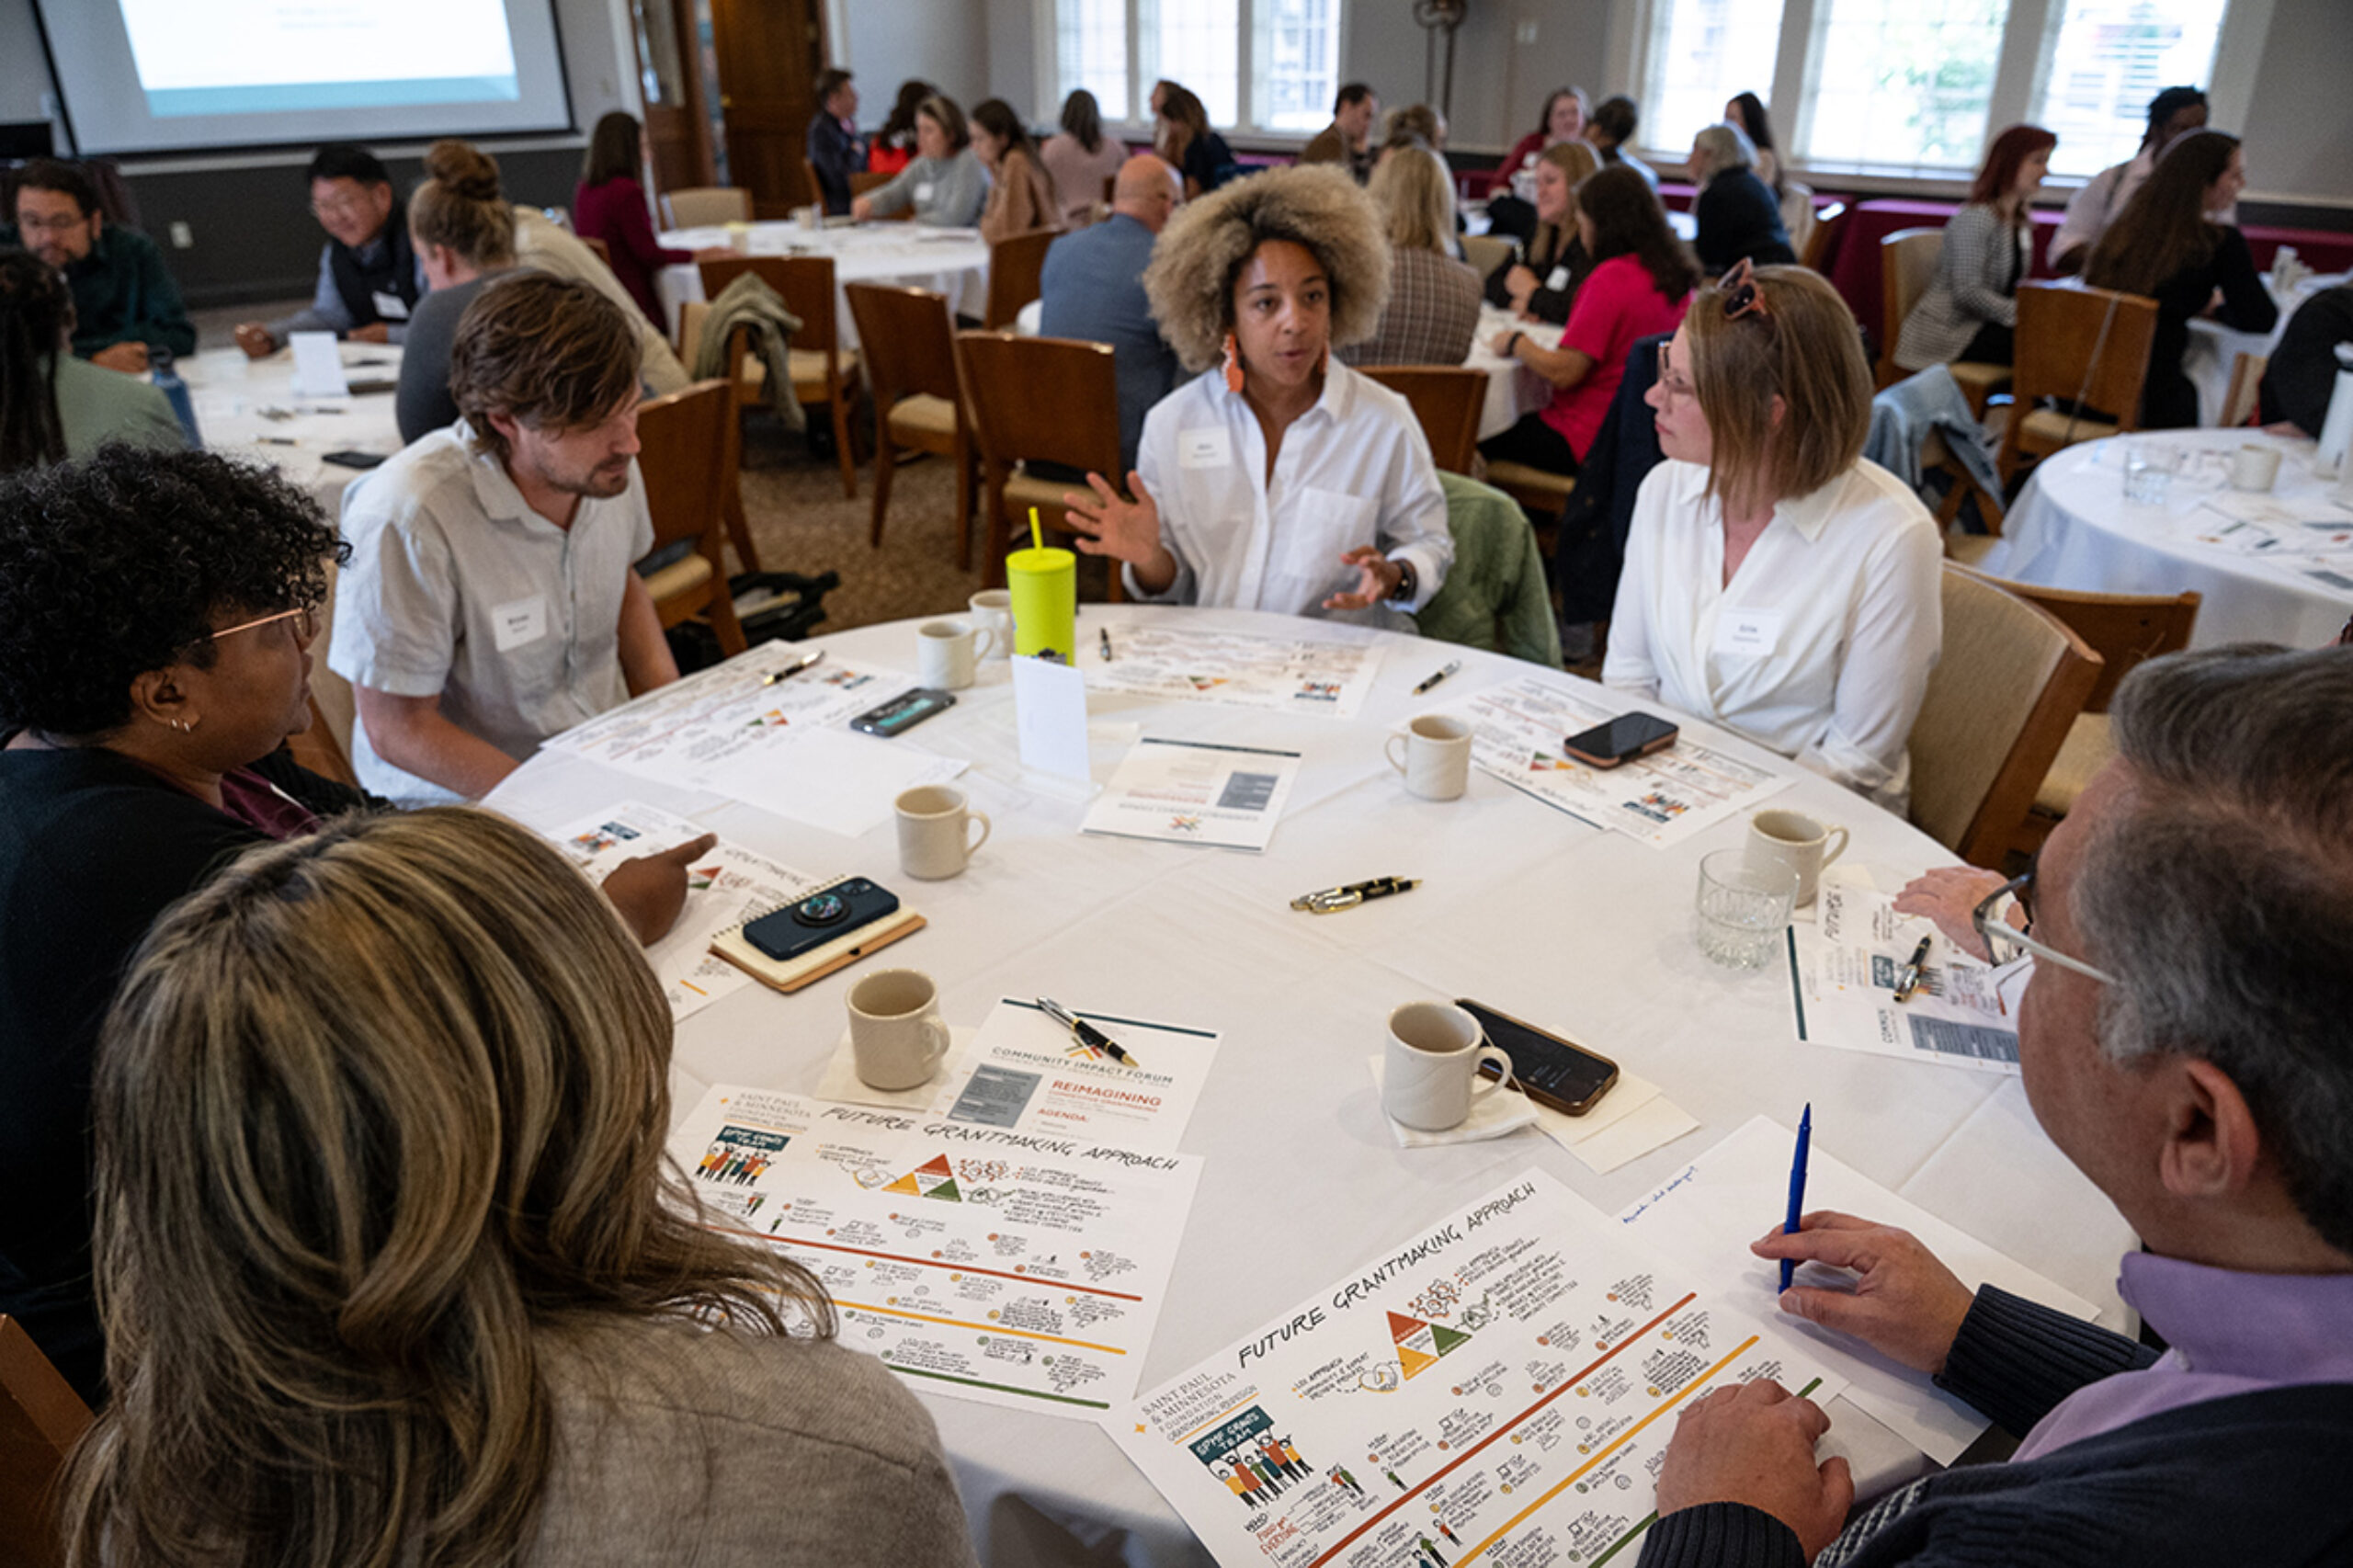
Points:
(369, 279)
(124, 299)
(2187, 1039)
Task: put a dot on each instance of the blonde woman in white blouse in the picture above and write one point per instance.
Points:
(1776, 582)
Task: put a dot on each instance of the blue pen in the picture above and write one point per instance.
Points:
(1797, 1189)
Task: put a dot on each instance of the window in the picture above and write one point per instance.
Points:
(1704, 54)
(1277, 59)
(2108, 59)
(1901, 83)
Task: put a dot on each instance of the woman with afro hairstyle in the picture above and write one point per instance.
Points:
(157, 616)
(1282, 480)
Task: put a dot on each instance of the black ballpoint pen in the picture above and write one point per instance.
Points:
(1451, 665)
(794, 668)
(1908, 981)
(1085, 1033)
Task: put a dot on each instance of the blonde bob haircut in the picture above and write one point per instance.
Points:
(376, 1110)
(1805, 352)
(1206, 245)
(1416, 196)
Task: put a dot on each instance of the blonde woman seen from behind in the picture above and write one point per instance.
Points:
(396, 1269)
(1433, 308)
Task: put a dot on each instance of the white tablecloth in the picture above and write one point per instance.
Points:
(2072, 528)
(248, 408)
(954, 262)
(2213, 348)
(1512, 388)
(1523, 908)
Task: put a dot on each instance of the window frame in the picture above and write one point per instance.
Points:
(1136, 116)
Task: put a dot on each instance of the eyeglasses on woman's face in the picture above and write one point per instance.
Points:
(304, 617)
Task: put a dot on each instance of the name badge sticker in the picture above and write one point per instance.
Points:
(389, 306)
(923, 190)
(1558, 280)
(1208, 447)
(518, 621)
(1747, 633)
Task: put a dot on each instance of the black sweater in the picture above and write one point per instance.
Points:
(2168, 398)
(2257, 1480)
(1737, 217)
(93, 847)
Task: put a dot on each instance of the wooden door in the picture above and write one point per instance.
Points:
(769, 53)
(677, 136)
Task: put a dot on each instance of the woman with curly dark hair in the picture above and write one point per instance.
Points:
(1282, 480)
(53, 406)
(157, 616)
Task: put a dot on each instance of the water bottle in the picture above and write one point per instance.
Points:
(2337, 428)
(167, 382)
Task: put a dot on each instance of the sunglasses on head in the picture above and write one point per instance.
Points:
(1741, 295)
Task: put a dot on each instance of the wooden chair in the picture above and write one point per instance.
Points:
(597, 248)
(1014, 264)
(825, 374)
(1533, 488)
(909, 341)
(816, 189)
(41, 1420)
(689, 466)
(2125, 629)
(1034, 400)
(2239, 403)
(1827, 223)
(1447, 399)
(325, 748)
(1908, 260)
(702, 206)
(1967, 549)
(2011, 679)
(863, 180)
(2075, 343)
(1485, 253)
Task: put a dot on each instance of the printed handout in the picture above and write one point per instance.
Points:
(1288, 674)
(1196, 792)
(1844, 968)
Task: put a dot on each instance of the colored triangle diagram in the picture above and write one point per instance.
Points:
(936, 1166)
(906, 1184)
(1402, 1328)
(947, 1191)
(1447, 1338)
(1414, 1360)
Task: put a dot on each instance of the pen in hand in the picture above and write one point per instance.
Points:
(1797, 1191)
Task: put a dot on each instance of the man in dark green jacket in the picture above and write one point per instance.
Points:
(124, 299)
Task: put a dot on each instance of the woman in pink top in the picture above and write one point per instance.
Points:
(609, 205)
(1641, 284)
(1082, 159)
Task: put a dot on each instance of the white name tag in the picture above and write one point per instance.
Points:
(518, 621)
(1559, 280)
(390, 307)
(923, 190)
(1206, 447)
(1749, 633)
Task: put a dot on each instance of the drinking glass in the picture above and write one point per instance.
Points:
(1744, 908)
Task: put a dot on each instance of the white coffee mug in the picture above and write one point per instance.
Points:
(896, 1035)
(1429, 1077)
(1796, 842)
(993, 613)
(2254, 466)
(1437, 764)
(934, 835)
(946, 651)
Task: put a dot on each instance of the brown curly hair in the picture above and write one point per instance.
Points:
(1206, 245)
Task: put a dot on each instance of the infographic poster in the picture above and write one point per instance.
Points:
(1009, 1267)
(1498, 1389)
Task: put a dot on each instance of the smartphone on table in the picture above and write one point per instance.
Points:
(830, 912)
(1551, 1070)
(1622, 739)
(902, 713)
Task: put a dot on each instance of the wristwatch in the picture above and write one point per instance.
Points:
(1407, 582)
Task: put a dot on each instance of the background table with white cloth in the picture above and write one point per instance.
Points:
(248, 408)
(1531, 911)
(2072, 527)
(954, 262)
(2215, 348)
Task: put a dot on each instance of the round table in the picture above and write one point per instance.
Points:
(2213, 349)
(2072, 527)
(248, 408)
(1532, 912)
(954, 262)
(1512, 388)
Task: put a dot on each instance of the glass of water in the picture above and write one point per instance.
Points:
(1743, 909)
(2148, 471)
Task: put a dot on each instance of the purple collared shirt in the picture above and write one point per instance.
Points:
(2229, 1333)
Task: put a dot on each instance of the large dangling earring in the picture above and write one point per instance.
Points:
(1232, 364)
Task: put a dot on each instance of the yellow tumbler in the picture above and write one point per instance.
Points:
(1045, 601)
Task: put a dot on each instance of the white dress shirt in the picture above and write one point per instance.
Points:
(456, 588)
(1354, 470)
(1821, 644)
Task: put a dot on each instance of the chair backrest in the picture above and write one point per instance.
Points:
(805, 283)
(1447, 399)
(1014, 264)
(1485, 253)
(699, 206)
(1796, 212)
(2245, 393)
(41, 1420)
(1041, 400)
(2075, 341)
(680, 459)
(325, 748)
(1908, 260)
(597, 247)
(1827, 223)
(2011, 679)
(908, 339)
(809, 177)
(863, 180)
(2123, 628)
